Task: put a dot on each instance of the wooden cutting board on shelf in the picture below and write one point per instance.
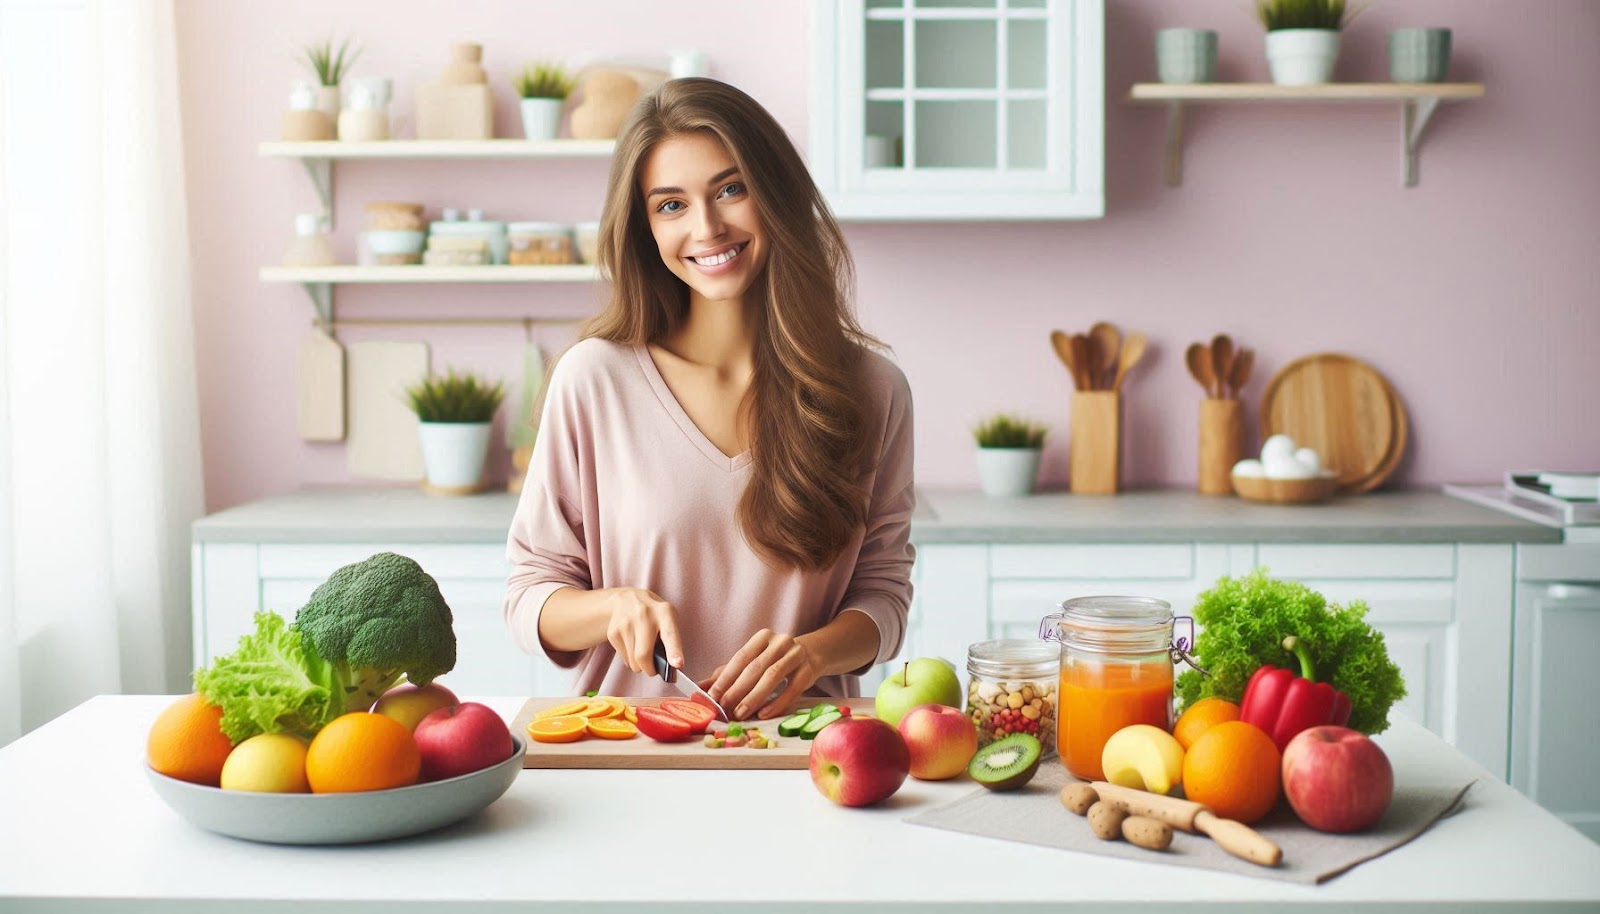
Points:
(791, 753)
(1342, 408)
(319, 387)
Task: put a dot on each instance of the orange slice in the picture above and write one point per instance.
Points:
(611, 728)
(601, 708)
(568, 709)
(630, 715)
(558, 729)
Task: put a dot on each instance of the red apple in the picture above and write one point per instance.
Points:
(858, 761)
(1336, 779)
(941, 739)
(409, 704)
(461, 739)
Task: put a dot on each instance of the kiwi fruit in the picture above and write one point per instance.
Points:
(1008, 762)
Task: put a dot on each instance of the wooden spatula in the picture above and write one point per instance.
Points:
(1240, 374)
(1080, 361)
(1132, 351)
(1222, 362)
(1062, 343)
(1107, 341)
(1198, 357)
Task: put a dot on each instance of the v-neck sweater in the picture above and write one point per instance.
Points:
(624, 490)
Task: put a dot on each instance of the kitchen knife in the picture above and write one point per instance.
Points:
(684, 684)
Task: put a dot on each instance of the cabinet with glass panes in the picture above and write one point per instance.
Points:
(959, 109)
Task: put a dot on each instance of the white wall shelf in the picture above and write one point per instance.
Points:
(319, 281)
(1417, 103)
(318, 157)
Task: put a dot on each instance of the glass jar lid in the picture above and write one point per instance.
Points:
(1014, 658)
(1111, 624)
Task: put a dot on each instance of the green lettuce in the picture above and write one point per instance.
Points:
(273, 683)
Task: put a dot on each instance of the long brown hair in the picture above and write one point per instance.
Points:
(806, 497)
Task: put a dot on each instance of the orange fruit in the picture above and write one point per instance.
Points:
(1202, 716)
(558, 729)
(186, 741)
(612, 728)
(629, 714)
(566, 710)
(1233, 768)
(600, 708)
(362, 751)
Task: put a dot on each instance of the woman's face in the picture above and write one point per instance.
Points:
(705, 224)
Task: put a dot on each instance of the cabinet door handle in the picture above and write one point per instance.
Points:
(1572, 591)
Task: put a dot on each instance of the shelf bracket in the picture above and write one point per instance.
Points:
(321, 294)
(1174, 143)
(1414, 116)
(321, 172)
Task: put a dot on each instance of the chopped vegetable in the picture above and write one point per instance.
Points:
(1244, 621)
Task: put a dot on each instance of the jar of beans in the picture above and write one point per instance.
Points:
(1012, 689)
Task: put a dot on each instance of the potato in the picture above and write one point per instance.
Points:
(1078, 797)
(1105, 821)
(1146, 832)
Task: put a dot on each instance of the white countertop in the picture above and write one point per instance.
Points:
(81, 830)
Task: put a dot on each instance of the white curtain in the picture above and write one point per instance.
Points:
(99, 420)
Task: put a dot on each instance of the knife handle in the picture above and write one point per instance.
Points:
(663, 668)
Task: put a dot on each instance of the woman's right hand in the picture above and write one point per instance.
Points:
(638, 618)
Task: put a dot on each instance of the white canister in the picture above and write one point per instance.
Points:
(453, 454)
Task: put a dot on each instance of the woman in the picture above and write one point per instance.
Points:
(722, 463)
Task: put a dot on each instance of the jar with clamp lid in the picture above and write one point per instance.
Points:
(1116, 657)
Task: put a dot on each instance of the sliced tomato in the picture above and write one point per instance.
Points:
(663, 726)
(698, 716)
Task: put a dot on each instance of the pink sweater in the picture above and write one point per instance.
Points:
(624, 491)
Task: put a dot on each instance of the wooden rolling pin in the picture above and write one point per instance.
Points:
(1236, 838)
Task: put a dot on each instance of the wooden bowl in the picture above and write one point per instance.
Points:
(1286, 491)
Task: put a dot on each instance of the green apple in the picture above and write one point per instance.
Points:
(925, 680)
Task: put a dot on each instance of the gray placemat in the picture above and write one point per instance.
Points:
(1034, 815)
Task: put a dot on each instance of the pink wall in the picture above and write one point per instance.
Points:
(1476, 293)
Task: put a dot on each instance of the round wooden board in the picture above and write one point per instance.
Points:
(1342, 408)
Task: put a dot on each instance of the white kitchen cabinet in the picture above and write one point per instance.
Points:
(958, 109)
(1555, 719)
(1444, 609)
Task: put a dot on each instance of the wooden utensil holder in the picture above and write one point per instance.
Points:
(1096, 445)
(1221, 431)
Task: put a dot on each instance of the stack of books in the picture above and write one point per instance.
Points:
(1570, 499)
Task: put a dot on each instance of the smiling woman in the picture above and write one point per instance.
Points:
(724, 462)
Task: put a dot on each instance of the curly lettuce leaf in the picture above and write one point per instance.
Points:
(273, 683)
(1243, 622)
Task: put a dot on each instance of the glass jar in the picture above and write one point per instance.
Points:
(1012, 689)
(540, 243)
(1116, 670)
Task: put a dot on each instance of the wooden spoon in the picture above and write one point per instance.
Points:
(1242, 363)
(1132, 351)
(1222, 362)
(1199, 359)
(1080, 361)
(1107, 342)
(1063, 347)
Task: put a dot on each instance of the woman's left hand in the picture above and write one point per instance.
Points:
(769, 664)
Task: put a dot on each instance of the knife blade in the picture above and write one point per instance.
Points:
(684, 684)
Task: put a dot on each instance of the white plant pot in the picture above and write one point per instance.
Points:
(541, 118)
(1302, 57)
(1007, 471)
(453, 454)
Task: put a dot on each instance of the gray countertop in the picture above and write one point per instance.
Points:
(406, 514)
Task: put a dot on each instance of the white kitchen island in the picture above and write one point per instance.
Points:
(82, 831)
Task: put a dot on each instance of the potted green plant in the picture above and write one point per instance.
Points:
(455, 413)
(329, 66)
(544, 88)
(1008, 454)
(1302, 39)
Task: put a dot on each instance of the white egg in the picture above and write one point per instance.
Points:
(1311, 459)
(1284, 467)
(1249, 469)
(1277, 446)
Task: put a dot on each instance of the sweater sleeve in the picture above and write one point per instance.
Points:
(547, 546)
(881, 584)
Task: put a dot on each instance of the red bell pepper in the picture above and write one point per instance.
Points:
(1282, 704)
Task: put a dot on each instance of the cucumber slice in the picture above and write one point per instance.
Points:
(793, 723)
(820, 710)
(814, 726)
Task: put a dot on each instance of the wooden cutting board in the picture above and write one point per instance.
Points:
(1342, 408)
(383, 437)
(319, 387)
(643, 752)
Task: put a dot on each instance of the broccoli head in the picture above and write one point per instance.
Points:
(379, 622)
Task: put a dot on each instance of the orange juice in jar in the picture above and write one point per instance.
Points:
(1116, 670)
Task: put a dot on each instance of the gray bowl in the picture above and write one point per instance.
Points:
(339, 818)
